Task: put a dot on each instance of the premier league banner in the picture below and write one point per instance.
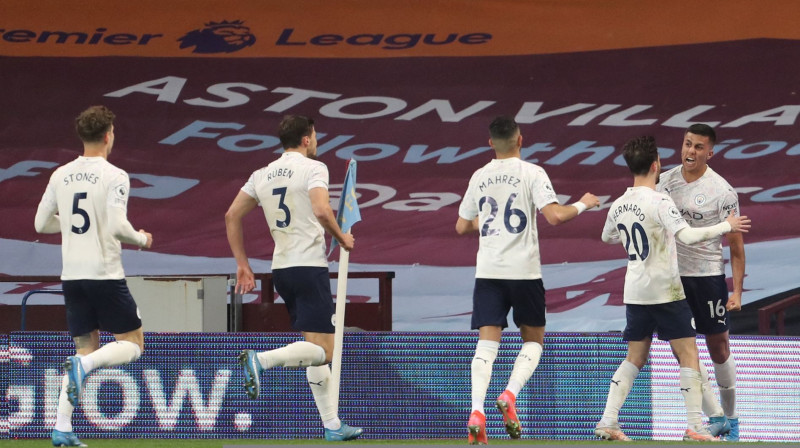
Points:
(411, 103)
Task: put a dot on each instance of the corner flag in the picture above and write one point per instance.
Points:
(349, 213)
(347, 216)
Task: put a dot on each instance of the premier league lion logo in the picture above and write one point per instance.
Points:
(219, 37)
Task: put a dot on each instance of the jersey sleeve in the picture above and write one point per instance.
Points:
(729, 203)
(250, 187)
(670, 216)
(543, 193)
(610, 233)
(118, 191)
(46, 220)
(318, 177)
(468, 209)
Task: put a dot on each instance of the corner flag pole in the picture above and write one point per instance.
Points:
(338, 336)
(348, 215)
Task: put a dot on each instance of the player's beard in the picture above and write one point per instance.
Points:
(312, 156)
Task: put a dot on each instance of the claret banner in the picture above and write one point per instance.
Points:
(408, 92)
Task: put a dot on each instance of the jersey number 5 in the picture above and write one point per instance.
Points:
(641, 246)
(282, 205)
(76, 210)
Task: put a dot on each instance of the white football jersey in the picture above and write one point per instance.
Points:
(645, 222)
(704, 202)
(81, 191)
(504, 195)
(281, 188)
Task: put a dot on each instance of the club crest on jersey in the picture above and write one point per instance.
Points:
(700, 199)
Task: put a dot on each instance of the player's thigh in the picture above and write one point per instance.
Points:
(307, 294)
(82, 317)
(527, 301)
(490, 304)
(639, 323)
(117, 312)
(707, 297)
(674, 320)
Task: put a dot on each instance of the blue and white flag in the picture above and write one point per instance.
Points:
(349, 213)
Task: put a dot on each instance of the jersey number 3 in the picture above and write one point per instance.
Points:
(637, 235)
(282, 205)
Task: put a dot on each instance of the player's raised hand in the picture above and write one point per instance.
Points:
(738, 223)
(245, 280)
(590, 200)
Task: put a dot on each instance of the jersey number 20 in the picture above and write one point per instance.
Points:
(638, 236)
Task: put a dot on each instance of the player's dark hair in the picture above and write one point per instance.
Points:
(704, 130)
(640, 153)
(292, 130)
(503, 128)
(93, 123)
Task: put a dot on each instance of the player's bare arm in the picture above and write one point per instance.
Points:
(242, 204)
(321, 206)
(465, 226)
(736, 244)
(556, 213)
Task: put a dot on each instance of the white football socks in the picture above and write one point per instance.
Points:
(526, 362)
(485, 354)
(319, 379)
(621, 384)
(711, 406)
(112, 354)
(296, 354)
(692, 390)
(65, 408)
(726, 380)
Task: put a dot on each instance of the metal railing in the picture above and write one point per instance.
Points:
(777, 309)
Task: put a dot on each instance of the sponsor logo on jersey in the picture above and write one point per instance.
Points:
(219, 37)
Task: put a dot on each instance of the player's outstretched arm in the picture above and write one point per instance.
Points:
(321, 206)
(739, 224)
(241, 206)
(556, 213)
(692, 235)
